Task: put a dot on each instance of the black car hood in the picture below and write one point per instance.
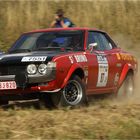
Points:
(16, 58)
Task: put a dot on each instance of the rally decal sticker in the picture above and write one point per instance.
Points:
(71, 59)
(123, 56)
(102, 70)
(80, 58)
(116, 78)
(34, 59)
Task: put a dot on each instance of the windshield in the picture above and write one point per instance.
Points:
(61, 40)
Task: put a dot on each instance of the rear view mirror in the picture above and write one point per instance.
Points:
(92, 46)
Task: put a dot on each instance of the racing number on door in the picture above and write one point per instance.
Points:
(102, 70)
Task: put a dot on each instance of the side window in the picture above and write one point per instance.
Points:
(94, 37)
(90, 38)
(105, 42)
(101, 40)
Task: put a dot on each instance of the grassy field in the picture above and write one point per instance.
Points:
(120, 18)
(103, 119)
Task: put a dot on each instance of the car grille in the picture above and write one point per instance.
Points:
(11, 70)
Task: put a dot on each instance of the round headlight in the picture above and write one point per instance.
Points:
(42, 69)
(31, 69)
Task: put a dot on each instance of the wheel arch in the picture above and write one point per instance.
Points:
(79, 72)
(75, 70)
(130, 71)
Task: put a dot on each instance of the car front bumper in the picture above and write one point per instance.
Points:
(31, 79)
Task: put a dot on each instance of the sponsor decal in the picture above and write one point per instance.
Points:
(86, 72)
(118, 56)
(118, 65)
(102, 70)
(80, 58)
(71, 59)
(116, 79)
(34, 58)
(102, 59)
(122, 56)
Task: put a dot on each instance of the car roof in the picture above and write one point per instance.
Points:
(65, 29)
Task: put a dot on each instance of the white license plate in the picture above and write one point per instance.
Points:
(8, 85)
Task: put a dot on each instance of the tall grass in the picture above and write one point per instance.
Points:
(115, 17)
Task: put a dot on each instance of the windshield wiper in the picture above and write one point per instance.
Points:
(20, 50)
(55, 48)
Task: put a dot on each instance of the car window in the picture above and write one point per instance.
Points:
(62, 40)
(101, 40)
(94, 38)
(105, 42)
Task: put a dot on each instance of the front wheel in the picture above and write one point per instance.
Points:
(73, 94)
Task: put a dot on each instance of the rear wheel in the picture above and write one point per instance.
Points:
(73, 94)
(127, 88)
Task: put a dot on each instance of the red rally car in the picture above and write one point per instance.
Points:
(64, 66)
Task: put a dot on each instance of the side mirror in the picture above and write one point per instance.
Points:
(92, 46)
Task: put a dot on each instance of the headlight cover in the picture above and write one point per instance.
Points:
(31, 69)
(42, 69)
(46, 68)
(51, 65)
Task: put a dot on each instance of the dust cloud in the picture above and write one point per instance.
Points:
(126, 43)
(136, 97)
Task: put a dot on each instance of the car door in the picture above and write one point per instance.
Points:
(104, 73)
(115, 66)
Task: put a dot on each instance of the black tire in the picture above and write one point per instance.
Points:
(127, 88)
(73, 94)
(3, 102)
(45, 100)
